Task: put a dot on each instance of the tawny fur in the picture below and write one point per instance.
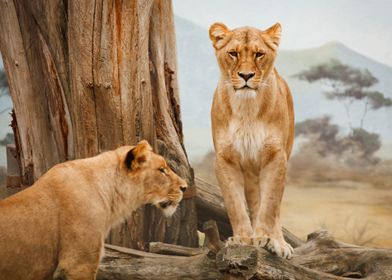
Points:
(253, 132)
(60, 223)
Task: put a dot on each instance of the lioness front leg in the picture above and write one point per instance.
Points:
(81, 261)
(267, 228)
(231, 182)
(81, 272)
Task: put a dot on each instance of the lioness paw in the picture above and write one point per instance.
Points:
(238, 240)
(280, 248)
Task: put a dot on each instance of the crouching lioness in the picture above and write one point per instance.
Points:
(58, 226)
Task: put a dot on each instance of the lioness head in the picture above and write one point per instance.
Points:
(162, 187)
(245, 55)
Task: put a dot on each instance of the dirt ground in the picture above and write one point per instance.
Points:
(353, 212)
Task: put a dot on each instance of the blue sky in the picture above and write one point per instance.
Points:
(362, 25)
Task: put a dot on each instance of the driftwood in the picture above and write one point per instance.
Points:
(321, 257)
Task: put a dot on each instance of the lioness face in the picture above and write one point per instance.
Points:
(162, 187)
(245, 55)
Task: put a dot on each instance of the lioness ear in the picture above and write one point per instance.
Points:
(129, 159)
(143, 146)
(219, 35)
(272, 36)
(137, 155)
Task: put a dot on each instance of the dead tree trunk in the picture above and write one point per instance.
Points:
(89, 76)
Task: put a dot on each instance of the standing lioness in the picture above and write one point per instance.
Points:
(60, 223)
(253, 128)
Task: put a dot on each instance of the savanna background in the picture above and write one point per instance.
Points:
(336, 57)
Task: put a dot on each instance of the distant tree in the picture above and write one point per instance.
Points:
(321, 130)
(366, 142)
(356, 148)
(347, 85)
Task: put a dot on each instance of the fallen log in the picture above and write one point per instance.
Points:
(120, 266)
(210, 206)
(321, 257)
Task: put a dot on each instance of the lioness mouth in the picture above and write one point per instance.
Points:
(165, 204)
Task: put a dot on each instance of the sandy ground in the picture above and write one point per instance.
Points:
(353, 212)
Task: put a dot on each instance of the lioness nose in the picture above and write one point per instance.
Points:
(183, 188)
(246, 76)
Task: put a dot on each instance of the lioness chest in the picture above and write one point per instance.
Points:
(246, 132)
(247, 138)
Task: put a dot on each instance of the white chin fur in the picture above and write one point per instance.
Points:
(245, 93)
(169, 211)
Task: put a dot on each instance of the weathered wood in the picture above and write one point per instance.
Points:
(321, 257)
(88, 76)
(212, 237)
(324, 253)
(210, 206)
(120, 266)
(247, 262)
(133, 252)
(170, 249)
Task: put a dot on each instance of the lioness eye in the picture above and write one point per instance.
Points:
(233, 53)
(161, 169)
(259, 54)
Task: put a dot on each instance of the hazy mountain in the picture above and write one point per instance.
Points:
(198, 76)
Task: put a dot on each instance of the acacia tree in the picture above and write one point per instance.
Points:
(325, 139)
(88, 76)
(347, 85)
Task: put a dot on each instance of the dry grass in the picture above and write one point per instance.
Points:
(354, 231)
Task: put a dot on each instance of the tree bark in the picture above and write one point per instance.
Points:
(89, 76)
